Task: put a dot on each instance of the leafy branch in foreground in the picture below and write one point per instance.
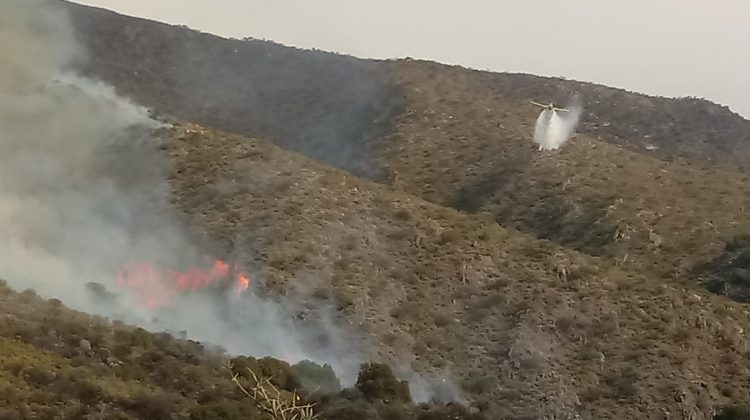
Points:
(269, 399)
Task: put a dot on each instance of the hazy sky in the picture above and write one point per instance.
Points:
(662, 47)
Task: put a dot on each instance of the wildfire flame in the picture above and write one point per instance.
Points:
(154, 288)
(243, 282)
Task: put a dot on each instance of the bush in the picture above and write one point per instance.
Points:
(87, 392)
(357, 410)
(99, 292)
(623, 383)
(38, 376)
(28, 296)
(225, 410)
(740, 277)
(449, 412)
(149, 405)
(743, 259)
(733, 413)
(317, 378)
(279, 372)
(140, 338)
(377, 382)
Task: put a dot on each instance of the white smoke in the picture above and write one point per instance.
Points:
(82, 191)
(553, 128)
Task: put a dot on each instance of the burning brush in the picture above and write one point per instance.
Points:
(154, 288)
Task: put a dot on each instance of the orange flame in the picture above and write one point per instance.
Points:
(243, 282)
(154, 288)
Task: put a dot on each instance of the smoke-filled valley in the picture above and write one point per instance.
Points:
(305, 205)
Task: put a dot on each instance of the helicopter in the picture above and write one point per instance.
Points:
(550, 107)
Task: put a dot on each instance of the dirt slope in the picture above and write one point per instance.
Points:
(529, 329)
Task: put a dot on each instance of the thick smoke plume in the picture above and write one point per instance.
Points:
(83, 192)
(553, 128)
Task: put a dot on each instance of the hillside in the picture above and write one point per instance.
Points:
(590, 282)
(59, 363)
(529, 329)
(660, 216)
(320, 103)
(630, 188)
(329, 107)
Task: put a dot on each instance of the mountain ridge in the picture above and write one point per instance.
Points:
(624, 116)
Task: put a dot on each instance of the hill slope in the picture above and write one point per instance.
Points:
(59, 363)
(331, 108)
(317, 102)
(527, 328)
(459, 138)
(593, 195)
(557, 284)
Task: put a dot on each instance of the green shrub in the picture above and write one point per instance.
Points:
(378, 383)
(279, 372)
(316, 378)
(153, 406)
